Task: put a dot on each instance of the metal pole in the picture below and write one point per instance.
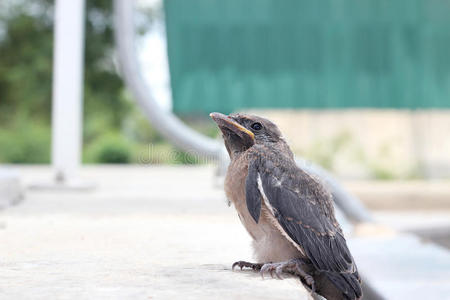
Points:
(353, 209)
(164, 121)
(67, 88)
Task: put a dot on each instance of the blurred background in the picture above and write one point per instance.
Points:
(380, 65)
(360, 88)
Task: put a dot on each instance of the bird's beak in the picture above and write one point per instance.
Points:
(226, 123)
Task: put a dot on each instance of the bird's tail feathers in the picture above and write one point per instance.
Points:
(348, 283)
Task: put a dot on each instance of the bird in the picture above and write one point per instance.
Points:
(288, 212)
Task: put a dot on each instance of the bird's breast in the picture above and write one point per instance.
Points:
(268, 242)
(235, 192)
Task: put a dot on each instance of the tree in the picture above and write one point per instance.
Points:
(26, 44)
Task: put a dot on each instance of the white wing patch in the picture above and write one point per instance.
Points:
(261, 191)
(272, 214)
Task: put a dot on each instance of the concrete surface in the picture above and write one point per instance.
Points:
(403, 266)
(167, 233)
(11, 190)
(144, 233)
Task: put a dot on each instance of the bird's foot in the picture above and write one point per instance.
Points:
(243, 264)
(293, 266)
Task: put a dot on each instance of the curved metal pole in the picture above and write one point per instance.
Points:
(165, 122)
(352, 207)
(184, 137)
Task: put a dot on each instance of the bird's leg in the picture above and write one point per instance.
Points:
(243, 264)
(293, 266)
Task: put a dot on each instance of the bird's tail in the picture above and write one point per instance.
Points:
(348, 283)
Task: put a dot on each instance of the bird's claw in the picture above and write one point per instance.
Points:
(271, 268)
(292, 267)
(243, 264)
(310, 281)
(297, 269)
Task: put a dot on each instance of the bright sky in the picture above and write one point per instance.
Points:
(152, 52)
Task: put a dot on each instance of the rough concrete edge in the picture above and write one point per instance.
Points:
(11, 189)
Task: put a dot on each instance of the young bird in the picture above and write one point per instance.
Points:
(288, 213)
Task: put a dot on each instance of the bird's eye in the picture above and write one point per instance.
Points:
(256, 126)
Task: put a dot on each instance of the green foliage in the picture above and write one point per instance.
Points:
(26, 43)
(186, 158)
(323, 152)
(111, 148)
(383, 167)
(103, 87)
(25, 65)
(343, 151)
(381, 173)
(114, 130)
(26, 144)
(164, 153)
(153, 153)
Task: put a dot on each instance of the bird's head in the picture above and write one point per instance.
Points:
(242, 131)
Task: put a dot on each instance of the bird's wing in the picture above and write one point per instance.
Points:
(303, 209)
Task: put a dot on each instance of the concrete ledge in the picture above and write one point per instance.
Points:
(144, 233)
(11, 191)
(165, 232)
